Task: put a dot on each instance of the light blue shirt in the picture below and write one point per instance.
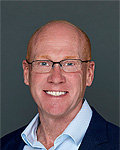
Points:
(70, 139)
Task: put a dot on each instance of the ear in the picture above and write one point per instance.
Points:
(90, 73)
(25, 72)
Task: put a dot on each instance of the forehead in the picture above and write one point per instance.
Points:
(55, 49)
(57, 40)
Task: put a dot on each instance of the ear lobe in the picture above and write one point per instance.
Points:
(90, 73)
(25, 72)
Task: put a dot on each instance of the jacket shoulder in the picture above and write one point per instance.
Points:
(100, 135)
(107, 131)
(13, 138)
(113, 132)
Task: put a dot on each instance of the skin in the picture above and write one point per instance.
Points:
(56, 41)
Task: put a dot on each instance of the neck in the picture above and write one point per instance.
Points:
(49, 130)
(51, 127)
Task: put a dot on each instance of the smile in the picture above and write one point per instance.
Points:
(53, 93)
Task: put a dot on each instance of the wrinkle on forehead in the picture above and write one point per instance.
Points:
(57, 29)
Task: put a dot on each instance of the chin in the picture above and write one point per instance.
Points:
(56, 112)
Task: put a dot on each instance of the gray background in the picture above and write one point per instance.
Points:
(20, 19)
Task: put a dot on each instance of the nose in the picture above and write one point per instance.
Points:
(56, 75)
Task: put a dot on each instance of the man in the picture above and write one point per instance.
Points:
(57, 69)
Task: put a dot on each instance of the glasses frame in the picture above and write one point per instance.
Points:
(53, 63)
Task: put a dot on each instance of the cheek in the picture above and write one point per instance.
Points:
(37, 79)
(75, 81)
(37, 82)
(78, 85)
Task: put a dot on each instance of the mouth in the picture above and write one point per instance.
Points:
(56, 93)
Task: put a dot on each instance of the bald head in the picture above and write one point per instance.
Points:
(60, 30)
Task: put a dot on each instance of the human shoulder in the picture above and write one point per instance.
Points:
(100, 134)
(98, 117)
(113, 132)
(100, 122)
(13, 138)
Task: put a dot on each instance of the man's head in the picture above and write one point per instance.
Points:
(58, 93)
(54, 28)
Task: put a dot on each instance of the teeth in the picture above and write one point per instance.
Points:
(55, 93)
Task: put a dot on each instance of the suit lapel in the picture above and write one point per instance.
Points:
(96, 133)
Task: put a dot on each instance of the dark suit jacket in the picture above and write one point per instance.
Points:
(100, 135)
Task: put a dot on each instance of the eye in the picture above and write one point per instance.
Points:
(44, 64)
(69, 64)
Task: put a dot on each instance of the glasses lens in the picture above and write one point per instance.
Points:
(42, 66)
(71, 65)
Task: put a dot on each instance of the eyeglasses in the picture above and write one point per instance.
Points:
(68, 65)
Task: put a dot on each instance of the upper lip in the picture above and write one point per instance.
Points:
(55, 90)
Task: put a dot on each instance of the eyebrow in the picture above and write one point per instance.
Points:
(42, 57)
(49, 58)
(45, 56)
(70, 57)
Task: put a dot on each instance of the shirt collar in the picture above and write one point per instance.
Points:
(29, 134)
(75, 130)
(78, 127)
